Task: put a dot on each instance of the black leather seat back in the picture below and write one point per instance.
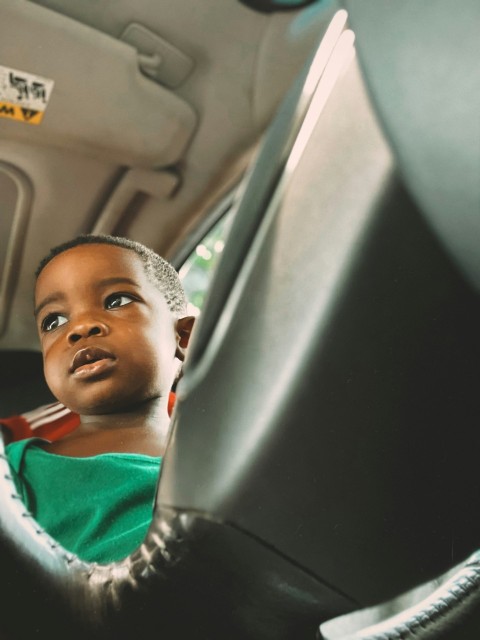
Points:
(331, 414)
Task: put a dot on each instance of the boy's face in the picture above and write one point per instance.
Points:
(108, 337)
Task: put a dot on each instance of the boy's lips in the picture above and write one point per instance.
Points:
(91, 360)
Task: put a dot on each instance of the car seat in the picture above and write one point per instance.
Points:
(446, 608)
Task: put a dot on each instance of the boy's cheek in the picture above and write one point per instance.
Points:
(50, 377)
(51, 368)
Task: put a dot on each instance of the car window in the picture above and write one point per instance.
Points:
(197, 270)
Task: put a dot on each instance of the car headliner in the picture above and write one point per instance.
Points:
(118, 152)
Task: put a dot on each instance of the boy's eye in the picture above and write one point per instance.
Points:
(118, 300)
(53, 321)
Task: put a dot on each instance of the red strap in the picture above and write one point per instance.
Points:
(21, 428)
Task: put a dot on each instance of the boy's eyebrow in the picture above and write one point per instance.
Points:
(116, 280)
(105, 282)
(53, 297)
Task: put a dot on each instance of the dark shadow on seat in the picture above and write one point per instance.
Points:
(22, 382)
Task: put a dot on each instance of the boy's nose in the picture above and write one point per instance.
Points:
(86, 330)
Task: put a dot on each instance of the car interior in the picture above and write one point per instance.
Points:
(321, 474)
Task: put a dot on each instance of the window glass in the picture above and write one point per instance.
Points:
(197, 271)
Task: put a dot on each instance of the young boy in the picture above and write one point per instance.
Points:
(111, 316)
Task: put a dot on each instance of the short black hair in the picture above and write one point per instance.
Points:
(160, 272)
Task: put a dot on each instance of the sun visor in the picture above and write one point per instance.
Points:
(68, 85)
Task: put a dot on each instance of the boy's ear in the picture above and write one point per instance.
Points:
(184, 329)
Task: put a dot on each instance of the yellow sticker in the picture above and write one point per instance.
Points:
(23, 96)
(9, 110)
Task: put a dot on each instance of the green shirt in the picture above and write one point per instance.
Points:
(98, 507)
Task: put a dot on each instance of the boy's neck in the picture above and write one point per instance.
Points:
(142, 430)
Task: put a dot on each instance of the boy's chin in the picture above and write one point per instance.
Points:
(109, 405)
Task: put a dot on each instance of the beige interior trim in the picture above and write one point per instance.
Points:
(13, 255)
(159, 184)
